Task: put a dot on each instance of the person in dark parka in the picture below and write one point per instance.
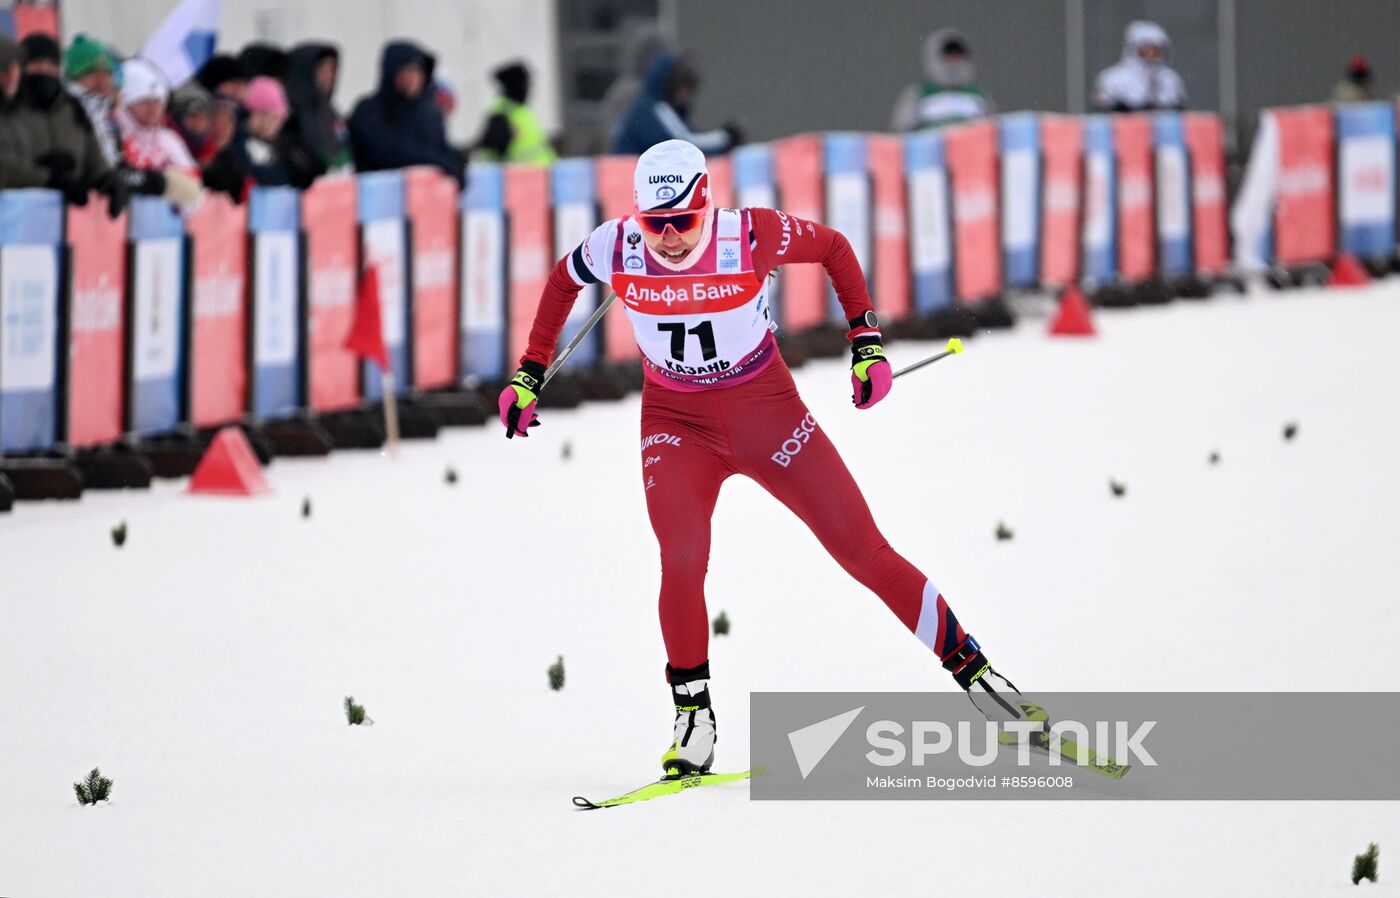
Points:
(399, 125)
(315, 125)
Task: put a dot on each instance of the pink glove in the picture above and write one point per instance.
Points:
(871, 376)
(517, 401)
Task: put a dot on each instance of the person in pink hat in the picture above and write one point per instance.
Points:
(260, 155)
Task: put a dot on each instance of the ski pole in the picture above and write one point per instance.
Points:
(578, 338)
(954, 347)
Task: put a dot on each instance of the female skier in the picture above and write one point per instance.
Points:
(719, 400)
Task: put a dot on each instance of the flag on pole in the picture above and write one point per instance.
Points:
(366, 337)
(185, 40)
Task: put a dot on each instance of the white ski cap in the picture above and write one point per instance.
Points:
(671, 175)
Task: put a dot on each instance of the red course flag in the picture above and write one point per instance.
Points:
(366, 337)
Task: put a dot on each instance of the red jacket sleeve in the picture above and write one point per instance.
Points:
(782, 239)
(560, 291)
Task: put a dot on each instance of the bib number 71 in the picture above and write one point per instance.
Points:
(704, 331)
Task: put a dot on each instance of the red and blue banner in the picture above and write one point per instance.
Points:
(1100, 238)
(613, 180)
(1020, 198)
(432, 213)
(1205, 139)
(31, 248)
(572, 195)
(274, 216)
(754, 188)
(1366, 178)
(483, 301)
(218, 350)
(1061, 207)
(971, 151)
(885, 155)
(332, 261)
(531, 250)
(848, 205)
(1305, 213)
(1173, 175)
(930, 222)
(797, 164)
(1132, 142)
(384, 244)
(156, 318)
(96, 338)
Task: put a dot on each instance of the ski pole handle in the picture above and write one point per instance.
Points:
(954, 347)
(578, 338)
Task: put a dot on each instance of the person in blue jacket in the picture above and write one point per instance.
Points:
(399, 124)
(662, 112)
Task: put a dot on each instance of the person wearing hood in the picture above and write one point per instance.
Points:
(400, 125)
(223, 76)
(645, 45)
(262, 153)
(662, 112)
(512, 133)
(948, 93)
(1141, 81)
(90, 73)
(315, 125)
(149, 147)
(50, 141)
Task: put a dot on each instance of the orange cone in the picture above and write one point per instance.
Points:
(229, 467)
(1347, 272)
(1073, 318)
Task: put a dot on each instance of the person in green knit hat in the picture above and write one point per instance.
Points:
(512, 132)
(90, 70)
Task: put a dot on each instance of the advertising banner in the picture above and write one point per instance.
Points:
(332, 262)
(1132, 142)
(384, 244)
(483, 302)
(1062, 181)
(613, 179)
(974, 175)
(1100, 240)
(797, 164)
(1020, 194)
(1205, 138)
(273, 218)
(218, 232)
(930, 222)
(848, 205)
(575, 216)
(156, 315)
(31, 237)
(432, 210)
(1366, 178)
(96, 336)
(885, 154)
(1305, 212)
(1173, 195)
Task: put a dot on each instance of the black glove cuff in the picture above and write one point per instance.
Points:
(534, 371)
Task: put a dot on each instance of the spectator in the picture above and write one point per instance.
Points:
(948, 93)
(1141, 80)
(264, 59)
(261, 152)
(49, 140)
(645, 45)
(148, 146)
(191, 114)
(315, 125)
(662, 112)
(512, 133)
(11, 70)
(90, 70)
(223, 76)
(1356, 86)
(399, 124)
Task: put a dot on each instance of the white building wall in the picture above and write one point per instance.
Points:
(469, 38)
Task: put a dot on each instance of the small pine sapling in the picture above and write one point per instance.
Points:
(722, 624)
(97, 788)
(556, 674)
(1364, 867)
(354, 714)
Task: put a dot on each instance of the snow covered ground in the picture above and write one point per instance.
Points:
(203, 666)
